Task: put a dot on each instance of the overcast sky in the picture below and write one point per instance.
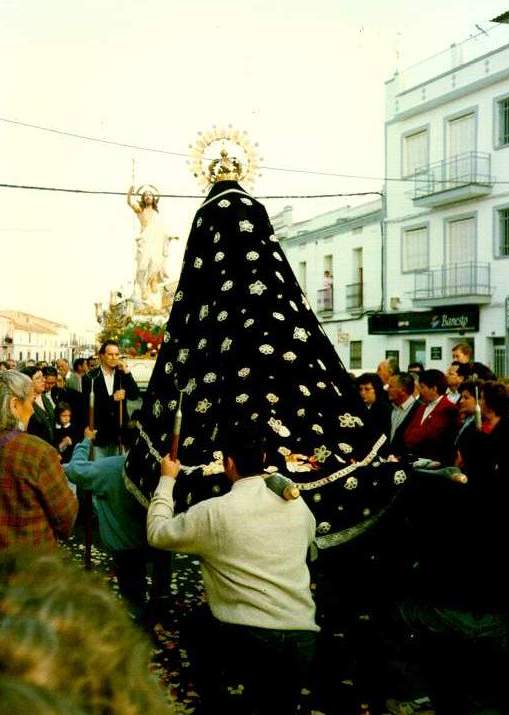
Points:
(304, 78)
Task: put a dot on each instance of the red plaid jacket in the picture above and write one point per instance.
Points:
(36, 503)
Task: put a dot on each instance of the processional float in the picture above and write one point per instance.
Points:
(244, 341)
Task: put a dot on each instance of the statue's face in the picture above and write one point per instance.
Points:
(148, 198)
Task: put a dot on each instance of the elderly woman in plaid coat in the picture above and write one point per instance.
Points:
(37, 505)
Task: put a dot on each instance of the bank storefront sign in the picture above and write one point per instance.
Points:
(455, 319)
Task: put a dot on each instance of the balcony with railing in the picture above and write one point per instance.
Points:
(325, 300)
(354, 297)
(462, 177)
(454, 283)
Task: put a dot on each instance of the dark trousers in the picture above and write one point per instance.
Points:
(132, 567)
(272, 665)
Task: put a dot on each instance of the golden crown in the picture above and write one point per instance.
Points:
(227, 166)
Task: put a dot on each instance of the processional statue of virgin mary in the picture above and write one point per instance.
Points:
(243, 346)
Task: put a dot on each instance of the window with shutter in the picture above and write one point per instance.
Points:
(503, 121)
(415, 152)
(415, 249)
(503, 232)
(461, 241)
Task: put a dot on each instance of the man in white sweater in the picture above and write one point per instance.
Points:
(253, 547)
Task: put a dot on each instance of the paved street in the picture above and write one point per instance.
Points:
(170, 662)
(170, 659)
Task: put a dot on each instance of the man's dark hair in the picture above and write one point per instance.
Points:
(415, 367)
(465, 369)
(246, 446)
(79, 362)
(434, 378)
(406, 382)
(49, 370)
(482, 372)
(103, 347)
(471, 386)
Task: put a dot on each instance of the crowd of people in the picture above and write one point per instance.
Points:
(431, 568)
(444, 544)
(66, 644)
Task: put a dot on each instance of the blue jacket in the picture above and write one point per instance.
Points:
(122, 521)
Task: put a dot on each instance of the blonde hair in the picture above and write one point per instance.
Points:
(62, 629)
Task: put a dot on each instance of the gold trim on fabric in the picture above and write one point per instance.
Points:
(133, 489)
(305, 486)
(340, 537)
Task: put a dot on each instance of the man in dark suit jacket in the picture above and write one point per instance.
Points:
(112, 384)
(401, 390)
(434, 425)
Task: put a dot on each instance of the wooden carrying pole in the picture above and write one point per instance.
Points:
(177, 423)
(88, 503)
(120, 416)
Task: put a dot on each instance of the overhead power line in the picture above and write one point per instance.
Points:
(155, 150)
(181, 196)
(102, 140)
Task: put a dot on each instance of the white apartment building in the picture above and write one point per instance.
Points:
(6, 337)
(28, 337)
(337, 259)
(447, 224)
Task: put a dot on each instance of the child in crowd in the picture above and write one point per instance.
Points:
(66, 432)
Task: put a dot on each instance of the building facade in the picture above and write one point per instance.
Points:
(447, 208)
(28, 337)
(337, 259)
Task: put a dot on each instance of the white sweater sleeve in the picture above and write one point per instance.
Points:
(188, 532)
